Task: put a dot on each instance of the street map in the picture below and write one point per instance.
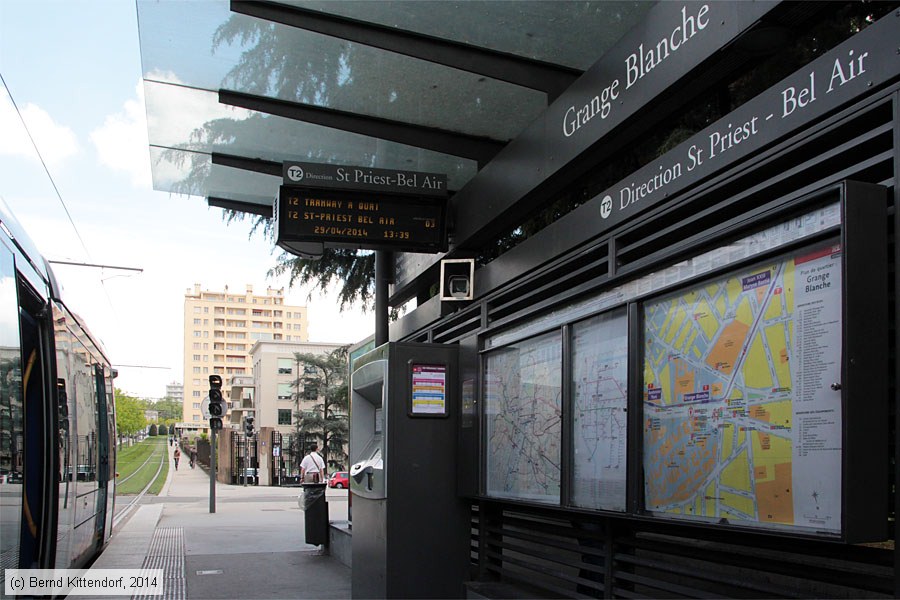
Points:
(740, 422)
(523, 391)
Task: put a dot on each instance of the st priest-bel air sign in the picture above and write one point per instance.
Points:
(335, 206)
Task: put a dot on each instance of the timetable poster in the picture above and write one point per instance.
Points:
(429, 390)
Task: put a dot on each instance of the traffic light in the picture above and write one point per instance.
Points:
(216, 403)
(248, 426)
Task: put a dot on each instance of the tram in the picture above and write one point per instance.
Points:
(57, 419)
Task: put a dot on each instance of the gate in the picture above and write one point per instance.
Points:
(285, 461)
(244, 459)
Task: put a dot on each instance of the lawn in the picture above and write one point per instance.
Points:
(136, 471)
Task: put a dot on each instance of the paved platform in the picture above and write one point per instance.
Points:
(251, 547)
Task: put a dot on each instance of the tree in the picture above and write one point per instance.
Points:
(163, 430)
(169, 410)
(129, 414)
(153, 430)
(321, 404)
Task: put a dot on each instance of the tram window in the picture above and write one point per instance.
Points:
(12, 424)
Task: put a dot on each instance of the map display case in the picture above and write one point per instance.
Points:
(600, 411)
(757, 407)
(742, 396)
(732, 389)
(523, 404)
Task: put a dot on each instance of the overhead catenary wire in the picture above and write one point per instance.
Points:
(44, 165)
(56, 191)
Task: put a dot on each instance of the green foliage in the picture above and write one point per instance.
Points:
(153, 430)
(356, 270)
(321, 402)
(129, 414)
(163, 430)
(170, 411)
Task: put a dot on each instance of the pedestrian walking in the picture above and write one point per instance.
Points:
(193, 456)
(177, 456)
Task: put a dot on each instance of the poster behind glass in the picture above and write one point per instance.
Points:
(523, 389)
(740, 421)
(600, 394)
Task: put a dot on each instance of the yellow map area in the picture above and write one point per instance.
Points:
(705, 454)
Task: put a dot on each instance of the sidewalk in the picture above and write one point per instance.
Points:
(251, 547)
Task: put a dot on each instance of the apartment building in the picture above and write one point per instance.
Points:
(273, 379)
(175, 391)
(220, 327)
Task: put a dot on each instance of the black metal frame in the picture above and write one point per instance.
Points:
(477, 148)
(640, 553)
(864, 352)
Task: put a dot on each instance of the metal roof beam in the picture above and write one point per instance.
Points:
(537, 75)
(236, 205)
(471, 147)
(257, 165)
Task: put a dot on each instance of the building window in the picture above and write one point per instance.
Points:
(196, 309)
(196, 334)
(196, 417)
(311, 392)
(198, 382)
(196, 393)
(285, 366)
(196, 346)
(196, 369)
(284, 416)
(284, 391)
(196, 405)
(196, 321)
(297, 326)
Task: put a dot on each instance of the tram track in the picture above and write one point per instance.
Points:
(135, 501)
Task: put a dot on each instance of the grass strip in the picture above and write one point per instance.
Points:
(133, 461)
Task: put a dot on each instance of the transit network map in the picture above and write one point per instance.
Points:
(600, 417)
(740, 422)
(523, 390)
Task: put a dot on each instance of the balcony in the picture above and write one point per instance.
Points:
(242, 381)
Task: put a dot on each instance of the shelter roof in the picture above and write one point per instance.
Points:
(233, 89)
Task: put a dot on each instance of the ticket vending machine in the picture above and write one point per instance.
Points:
(410, 529)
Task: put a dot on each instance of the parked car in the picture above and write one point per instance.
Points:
(340, 480)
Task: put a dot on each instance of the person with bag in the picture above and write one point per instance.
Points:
(312, 467)
(177, 457)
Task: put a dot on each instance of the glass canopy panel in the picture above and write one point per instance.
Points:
(193, 174)
(573, 34)
(191, 120)
(204, 45)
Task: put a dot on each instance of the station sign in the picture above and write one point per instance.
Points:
(349, 178)
(308, 220)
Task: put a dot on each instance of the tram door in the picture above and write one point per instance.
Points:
(105, 499)
(36, 543)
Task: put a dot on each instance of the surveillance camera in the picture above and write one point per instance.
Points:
(458, 286)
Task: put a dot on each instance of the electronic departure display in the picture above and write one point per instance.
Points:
(371, 220)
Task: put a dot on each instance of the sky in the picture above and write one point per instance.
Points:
(73, 70)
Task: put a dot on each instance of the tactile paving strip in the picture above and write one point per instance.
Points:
(166, 552)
